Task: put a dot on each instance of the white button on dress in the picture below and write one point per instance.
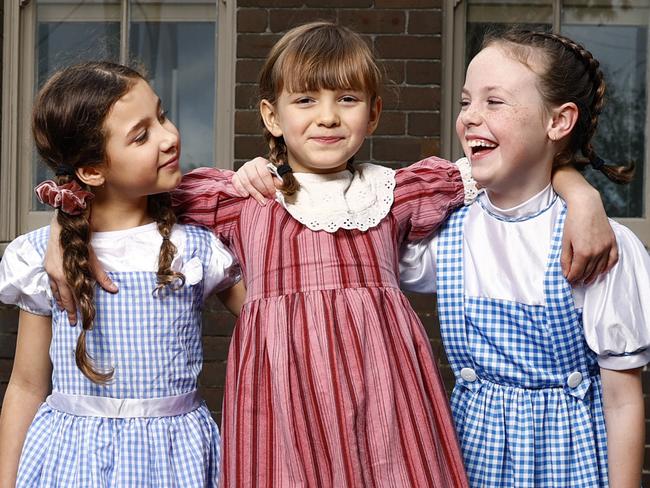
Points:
(574, 379)
(468, 374)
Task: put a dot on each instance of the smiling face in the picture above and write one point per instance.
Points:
(503, 126)
(142, 146)
(322, 129)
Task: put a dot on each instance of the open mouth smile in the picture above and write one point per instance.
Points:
(481, 147)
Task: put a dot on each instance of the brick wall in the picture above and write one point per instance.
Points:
(406, 36)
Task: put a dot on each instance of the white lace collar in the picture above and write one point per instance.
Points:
(342, 200)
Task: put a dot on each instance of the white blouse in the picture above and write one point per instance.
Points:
(505, 256)
(23, 280)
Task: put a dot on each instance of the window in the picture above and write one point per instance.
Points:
(185, 47)
(618, 37)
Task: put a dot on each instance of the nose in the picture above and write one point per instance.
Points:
(328, 114)
(470, 115)
(169, 139)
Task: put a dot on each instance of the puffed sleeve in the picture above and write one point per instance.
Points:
(417, 265)
(206, 197)
(425, 193)
(616, 309)
(23, 281)
(222, 271)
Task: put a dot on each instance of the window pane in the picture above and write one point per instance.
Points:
(178, 54)
(68, 33)
(493, 16)
(622, 50)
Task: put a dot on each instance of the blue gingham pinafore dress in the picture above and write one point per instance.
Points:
(154, 345)
(527, 402)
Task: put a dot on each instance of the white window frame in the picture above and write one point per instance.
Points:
(16, 151)
(453, 35)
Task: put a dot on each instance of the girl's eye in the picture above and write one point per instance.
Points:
(464, 103)
(349, 99)
(303, 100)
(492, 101)
(142, 137)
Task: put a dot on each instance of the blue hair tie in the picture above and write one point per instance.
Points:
(283, 169)
(598, 163)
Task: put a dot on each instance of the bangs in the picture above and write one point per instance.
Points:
(338, 69)
(321, 56)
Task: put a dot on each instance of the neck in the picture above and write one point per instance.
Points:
(118, 215)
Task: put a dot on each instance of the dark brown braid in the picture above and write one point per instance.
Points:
(160, 209)
(310, 57)
(68, 129)
(571, 74)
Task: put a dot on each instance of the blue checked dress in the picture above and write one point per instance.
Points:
(527, 402)
(155, 348)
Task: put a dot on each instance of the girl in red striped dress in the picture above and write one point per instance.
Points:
(331, 380)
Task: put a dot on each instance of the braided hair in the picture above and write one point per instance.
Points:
(68, 129)
(311, 57)
(571, 74)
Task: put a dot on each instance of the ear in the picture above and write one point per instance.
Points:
(270, 118)
(91, 175)
(375, 112)
(563, 120)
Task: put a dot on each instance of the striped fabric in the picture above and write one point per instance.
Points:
(331, 380)
(527, 402)
(155, 346)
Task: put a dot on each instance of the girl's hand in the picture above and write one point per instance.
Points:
(588, 245)
(255, 180)
(53, 264)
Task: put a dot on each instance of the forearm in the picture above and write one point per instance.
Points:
(233, 298)
(625, 445)
(18, 410)
(573, 188)
(624, 418)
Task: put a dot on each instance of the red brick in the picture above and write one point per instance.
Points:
(5, 369)
(408, 47)
(423, 72)
(429, 146)
(215, 348)
(252, 20)
(269, 3)
(363, 154)
(424, 124)
(392, 124)
(255, 45)
(218, 323)
(425, 22)
(393, 71)
(340, 3)
(406, 149)
(374, 21)
(408, 3)
(248, 122)
(246, 97)
(8, 318)
(248, 70)
(7, 345)
(213, 374)
(249, 147)
(283, 20)
(413, 98)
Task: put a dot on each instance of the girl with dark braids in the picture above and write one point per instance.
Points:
(548, 385)
(124, 408)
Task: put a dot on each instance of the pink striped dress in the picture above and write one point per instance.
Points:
(331, 381)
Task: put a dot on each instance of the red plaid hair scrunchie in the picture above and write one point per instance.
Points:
(70, 198)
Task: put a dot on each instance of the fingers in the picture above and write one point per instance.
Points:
(248, 187)
(65, 300)
(600, 265)
(566, 256)
(100, 275)
(267, 185)
(236, 183)
(612, 258)
(576, 270)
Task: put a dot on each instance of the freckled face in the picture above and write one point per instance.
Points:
(503, 127)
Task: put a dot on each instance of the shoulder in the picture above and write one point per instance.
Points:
(35, 241)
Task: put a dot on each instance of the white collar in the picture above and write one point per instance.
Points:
(342, 200)
(534, 205)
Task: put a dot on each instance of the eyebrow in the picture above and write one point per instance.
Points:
(488, 89)
(142, 122)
